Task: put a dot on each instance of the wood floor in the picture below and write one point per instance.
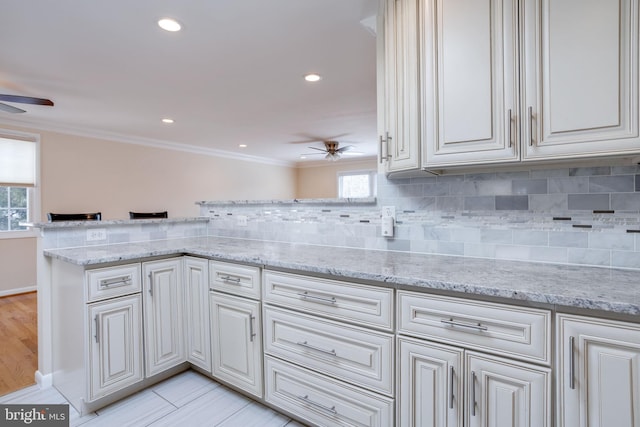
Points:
(18, 341)
(187, 399)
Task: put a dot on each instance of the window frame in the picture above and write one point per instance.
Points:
(372, 181)
(33, 193)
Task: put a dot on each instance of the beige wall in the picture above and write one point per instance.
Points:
(80, 174)
(320, 181)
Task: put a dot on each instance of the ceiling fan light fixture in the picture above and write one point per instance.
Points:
(169, 24)
(312, 77)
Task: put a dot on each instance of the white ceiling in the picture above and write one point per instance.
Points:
(233, 75)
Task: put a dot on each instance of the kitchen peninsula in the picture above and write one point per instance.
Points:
(337, 329)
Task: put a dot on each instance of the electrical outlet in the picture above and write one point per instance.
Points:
(95, 234)
(241, 220)
(389, 211)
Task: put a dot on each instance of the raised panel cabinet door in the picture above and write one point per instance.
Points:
(401, 139)
(580, 69)
(163, 304)
(598, 379)
(115, 349)
(236, 341)
(469, 54)
(430, 381)
(197, 332)
(503, 393)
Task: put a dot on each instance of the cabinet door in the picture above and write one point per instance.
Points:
(196, 292)
(502, 393)
(598, 377)
(401, 92)
(236, 341)
(430, 383)
(115, 350)
(470, 69)
(580, 74)
(164, 337)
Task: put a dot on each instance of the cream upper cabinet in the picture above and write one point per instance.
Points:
(580, 78)
(400, 132)
(470, 82)
(508, 82)
(598, 372)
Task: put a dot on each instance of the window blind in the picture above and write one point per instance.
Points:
(17, 162)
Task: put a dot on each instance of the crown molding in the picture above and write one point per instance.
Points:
(148, 142)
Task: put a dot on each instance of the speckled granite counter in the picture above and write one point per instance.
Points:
(610, 290)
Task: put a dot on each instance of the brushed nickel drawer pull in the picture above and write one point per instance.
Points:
(313, 347)
(305, 295)
(230, 279)
(306, 399)
(105, 283)
(453, 323)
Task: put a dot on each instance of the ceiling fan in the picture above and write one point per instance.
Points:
(21, 100)
(331, 150)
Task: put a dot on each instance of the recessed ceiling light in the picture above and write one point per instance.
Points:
(167, 120)
(169, 24)
(312, 77)
(242, 145)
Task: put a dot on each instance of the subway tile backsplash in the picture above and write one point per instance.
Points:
(580, 216)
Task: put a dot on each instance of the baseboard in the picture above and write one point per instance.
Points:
(18, 291)
(44, 381)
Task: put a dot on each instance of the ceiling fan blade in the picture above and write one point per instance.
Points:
(345, 148)
(319, 149)
(10, 109)
(312, 154)
(26, 100)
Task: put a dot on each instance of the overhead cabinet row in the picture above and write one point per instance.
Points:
(506, 81)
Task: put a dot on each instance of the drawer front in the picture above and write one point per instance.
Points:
(361, 304)
(112, 282)
(518, 332)
(323, 401)
(360, 356)
(236, 279)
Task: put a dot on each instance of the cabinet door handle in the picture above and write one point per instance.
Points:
(453, 323)
(305, 295)
(473, 394)
(451, 374)
(306, 399)
(97, 322)
(509, 118)
(380, 150)
(313, 347)
(384, 141)
(572, 364)
(251, 332)
(151, 284)
(530, 114)
(230, 279)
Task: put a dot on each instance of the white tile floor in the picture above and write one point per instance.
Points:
(188, 399)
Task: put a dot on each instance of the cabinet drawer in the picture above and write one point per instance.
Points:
(112, 282)
(236, 279)
(361, 304)
(353, 354)
(323, 401)
(518, 332)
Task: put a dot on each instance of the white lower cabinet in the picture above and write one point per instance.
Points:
(445, 378)
(196, 316)
(115, 353)
(323, 401)
(236, 341)
(597, 372)
(163, 315)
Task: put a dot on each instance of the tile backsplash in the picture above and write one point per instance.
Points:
(580, 216)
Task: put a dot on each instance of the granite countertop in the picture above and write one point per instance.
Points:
(319, 202)
(102, 223)
(611, 290)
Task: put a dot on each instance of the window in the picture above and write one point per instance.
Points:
(356, 184)
(18, 168)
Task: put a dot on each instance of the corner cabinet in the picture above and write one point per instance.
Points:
(598, 372)
(508, 82)
(196, 316)
(162, 298)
